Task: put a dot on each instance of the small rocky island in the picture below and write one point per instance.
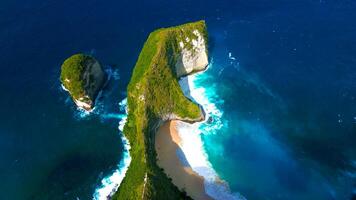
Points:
(83, 77)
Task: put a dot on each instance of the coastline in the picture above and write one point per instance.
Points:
(171, 158)
(185, 136)
(81, 106)
(170, 155)
(166, 101)
(111, 182)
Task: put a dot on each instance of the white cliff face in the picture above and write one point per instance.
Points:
(194, 58)
(81, 104)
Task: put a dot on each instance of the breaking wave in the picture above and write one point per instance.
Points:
(110, 183)
(204, 93)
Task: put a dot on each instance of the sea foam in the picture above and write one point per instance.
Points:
(110, 183)
(197, 89)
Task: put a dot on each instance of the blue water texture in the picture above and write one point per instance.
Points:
(282, 75)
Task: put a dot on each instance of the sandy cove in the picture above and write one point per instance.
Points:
(167, 143)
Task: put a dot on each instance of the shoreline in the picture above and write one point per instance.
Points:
(81, 106)
(190, 145)
(110, 183)
(172, 159)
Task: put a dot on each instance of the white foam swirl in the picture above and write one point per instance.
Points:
(110, 183)
(204, 93)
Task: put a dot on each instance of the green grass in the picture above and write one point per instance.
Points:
(71, 74)
(155, 79)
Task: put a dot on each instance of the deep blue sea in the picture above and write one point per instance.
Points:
(283, 75)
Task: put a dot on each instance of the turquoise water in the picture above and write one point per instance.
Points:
(254, 159)
(288, 125)
(282, 76)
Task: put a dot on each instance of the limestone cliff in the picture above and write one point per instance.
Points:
(193, 56)
(83, 77)
(153, 96)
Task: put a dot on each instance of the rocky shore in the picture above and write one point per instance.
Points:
(83, 77)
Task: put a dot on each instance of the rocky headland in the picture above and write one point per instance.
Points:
(154, 97)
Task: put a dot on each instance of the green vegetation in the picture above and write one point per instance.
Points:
(71, 74)
(153, 94)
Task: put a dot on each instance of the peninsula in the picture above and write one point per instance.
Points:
(154, 97)
(83, 77)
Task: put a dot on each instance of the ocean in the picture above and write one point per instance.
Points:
(281, 80)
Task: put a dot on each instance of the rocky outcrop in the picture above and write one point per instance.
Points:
(173, 116)
(154, 96)
(94, 79)
(83, 77)
(193, 56)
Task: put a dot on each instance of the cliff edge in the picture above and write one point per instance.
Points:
(154, 96)
(83, 77)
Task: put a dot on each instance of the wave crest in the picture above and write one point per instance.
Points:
(198, 88)
(110, 183)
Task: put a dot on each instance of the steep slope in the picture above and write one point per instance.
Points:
(83, 77)
(154, 96)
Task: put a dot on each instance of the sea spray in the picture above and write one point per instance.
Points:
(195, 87)
(110, 183)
